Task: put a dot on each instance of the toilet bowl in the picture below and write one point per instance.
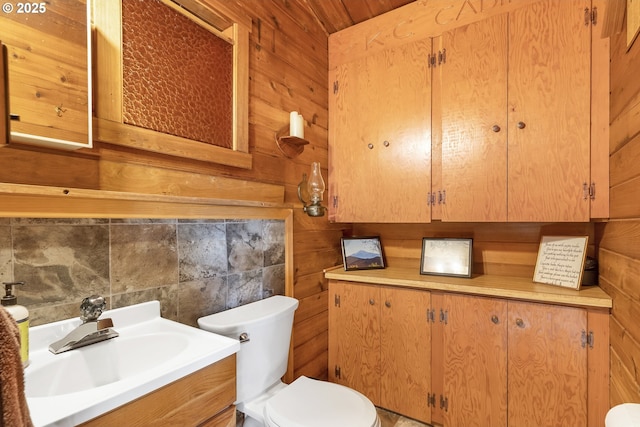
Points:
(264, 330)
(623, 415)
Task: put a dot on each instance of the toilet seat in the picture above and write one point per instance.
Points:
(312, 403)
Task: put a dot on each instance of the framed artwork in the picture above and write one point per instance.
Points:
(560, 261)
(446, 257)
(362, 253)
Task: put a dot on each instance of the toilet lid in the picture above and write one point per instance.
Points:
(312, 403)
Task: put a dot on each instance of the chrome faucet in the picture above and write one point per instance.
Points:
(91, 330)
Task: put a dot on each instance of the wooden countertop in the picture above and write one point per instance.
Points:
(495, 286)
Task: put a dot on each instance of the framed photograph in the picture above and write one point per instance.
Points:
(362, 253)
(447, 257)
(561, 261)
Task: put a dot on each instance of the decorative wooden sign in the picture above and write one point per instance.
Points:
(561, 261)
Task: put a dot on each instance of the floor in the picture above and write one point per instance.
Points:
(387, 419)
(390, 419)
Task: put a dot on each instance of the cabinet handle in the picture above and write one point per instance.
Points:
(370, 146)
(387, 304)
(386, 143)
(520, 323)
(372, 301)
(495, 128)
(495, 319)
(521, 125)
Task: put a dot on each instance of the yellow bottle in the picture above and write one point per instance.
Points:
(21, 315)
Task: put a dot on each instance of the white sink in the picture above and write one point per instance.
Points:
(72, 387)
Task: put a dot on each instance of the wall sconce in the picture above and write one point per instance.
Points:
(290, 138)
(311, 191)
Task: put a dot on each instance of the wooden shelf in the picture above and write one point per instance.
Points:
(487, 285)
(290, 146)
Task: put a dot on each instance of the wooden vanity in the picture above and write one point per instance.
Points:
(204, 398)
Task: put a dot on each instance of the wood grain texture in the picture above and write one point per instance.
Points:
(48, 71)
(495, 286)
(192, 400)
(354, 338)
(373, 150)
(475, 360)
(547, 372)
(549, 93)
(600, 84)
(473, 102)
(405, 348)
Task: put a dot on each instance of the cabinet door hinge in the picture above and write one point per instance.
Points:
(442, 56)
(431, 198)
(444, 403)
(335, 202)
(590, 16)
(444, 316)
(431, 315)
(431, 60)
(587, 338)
(337, 372)
(336, 300)
(335, 87)
(442, 197)
(592, 191)
(431, 400)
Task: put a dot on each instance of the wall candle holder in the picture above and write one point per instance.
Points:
(290, 139)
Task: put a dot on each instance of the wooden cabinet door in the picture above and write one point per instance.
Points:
(354, 337)
(549, 112)
(380, 137)
(474, 357)
(4, 100)
(547, 371)
(474, 121)
(49, 72)
(405, 341)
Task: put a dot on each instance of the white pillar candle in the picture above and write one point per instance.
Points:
(296, 125)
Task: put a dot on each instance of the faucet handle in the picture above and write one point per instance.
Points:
(91, 308)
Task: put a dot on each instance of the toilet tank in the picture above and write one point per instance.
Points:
(262, 359)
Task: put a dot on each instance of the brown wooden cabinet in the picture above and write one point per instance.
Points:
(49, 72)
(516, 116)
(203, 398)
(511, 363)
(380, 137)
(379, 344)
(489, 360)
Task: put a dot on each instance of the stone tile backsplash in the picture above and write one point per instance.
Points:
(193, 267)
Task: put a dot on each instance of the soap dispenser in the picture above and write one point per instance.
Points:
(21, 315)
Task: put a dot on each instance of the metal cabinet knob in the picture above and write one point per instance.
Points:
(520, 323)
(386, 143)
(370, 146)
(495, 319)
(495, 128)
(387, 304)
(521, 125)
(372, 301)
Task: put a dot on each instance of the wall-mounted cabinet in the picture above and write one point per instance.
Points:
(516, 116)
(517, 111)
(49, 72)
(380, 137)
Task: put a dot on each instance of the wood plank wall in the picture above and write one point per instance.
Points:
(288, 71)
(620, 237)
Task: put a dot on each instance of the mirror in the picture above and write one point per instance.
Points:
(48, 47)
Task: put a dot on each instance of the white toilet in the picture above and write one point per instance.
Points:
(264, 330)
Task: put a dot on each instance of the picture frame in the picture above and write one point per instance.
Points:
(561, 260)
(447, 256)
(362, 253)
